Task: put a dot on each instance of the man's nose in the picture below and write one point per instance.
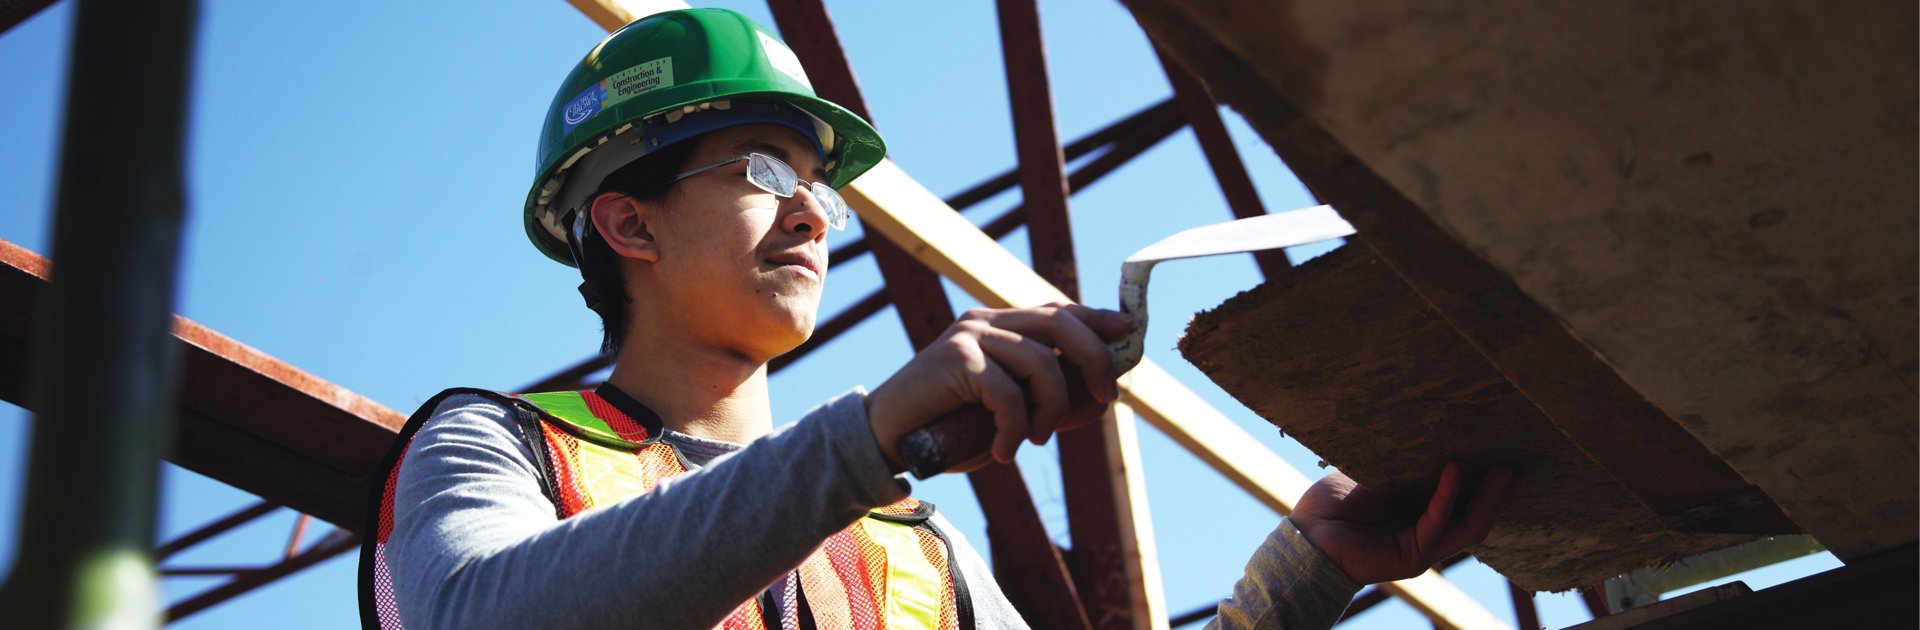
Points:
(804, 214)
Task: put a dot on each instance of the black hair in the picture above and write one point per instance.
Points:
(604, 286)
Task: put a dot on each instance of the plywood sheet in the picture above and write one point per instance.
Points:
(1345, 358)
(1718, 198)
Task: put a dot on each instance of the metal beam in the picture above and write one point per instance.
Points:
(241, 517)
(242, 417)
(1025, 558)
(892, 203)
(1043, 179)
(336, 543)
(1204, 115)
(16, 11)
(1100, 504)
(1524, 614)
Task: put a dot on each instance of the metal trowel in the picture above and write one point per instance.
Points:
(964, 435)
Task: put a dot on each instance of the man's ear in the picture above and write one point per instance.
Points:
(622, 221)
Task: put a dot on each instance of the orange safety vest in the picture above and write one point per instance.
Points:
(890, 570)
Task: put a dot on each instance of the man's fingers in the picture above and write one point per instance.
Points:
(1432, 528)
(1496, 492)
(1035, 363)
(1109, 325)
(1071, 328)
(1002, 396)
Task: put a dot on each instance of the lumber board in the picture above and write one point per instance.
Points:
(1348, 360)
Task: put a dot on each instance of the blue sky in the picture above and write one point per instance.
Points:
(356, 171)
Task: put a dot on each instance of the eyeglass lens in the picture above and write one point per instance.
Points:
(774, 176)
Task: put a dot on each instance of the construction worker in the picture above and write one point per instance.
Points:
(688, 170)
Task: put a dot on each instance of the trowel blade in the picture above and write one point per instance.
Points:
(1272, 231)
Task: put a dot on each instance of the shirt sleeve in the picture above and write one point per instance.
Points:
(479, 546)
(1288, 584)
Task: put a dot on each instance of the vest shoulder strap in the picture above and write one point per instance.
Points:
(378, 519)
(575, 412)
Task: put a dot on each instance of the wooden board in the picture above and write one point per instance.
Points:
(1345, 358)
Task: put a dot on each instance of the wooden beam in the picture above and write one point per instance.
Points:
(613, 14)
(892, 203)
(1139, 557)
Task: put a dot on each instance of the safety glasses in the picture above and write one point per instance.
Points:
(774, 176)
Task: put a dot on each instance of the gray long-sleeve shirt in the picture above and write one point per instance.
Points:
(476, 544)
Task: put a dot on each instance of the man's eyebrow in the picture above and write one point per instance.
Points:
(776, 151)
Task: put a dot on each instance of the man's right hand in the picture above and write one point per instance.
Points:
(986, 357)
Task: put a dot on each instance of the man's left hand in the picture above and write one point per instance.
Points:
(1370, 540)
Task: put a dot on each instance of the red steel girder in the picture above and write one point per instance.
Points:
(215, 528)
(1595, 597)
(1025, 559)
(243, 417)
(1524, 614)
(17, 11)
(1043, 179)
(1098, 556)
(336, 543)
(1204, 116)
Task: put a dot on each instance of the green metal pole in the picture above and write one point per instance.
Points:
(104, 376)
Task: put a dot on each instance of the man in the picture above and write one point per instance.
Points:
(688, 170)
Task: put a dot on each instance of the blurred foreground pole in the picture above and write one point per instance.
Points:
(104, 376)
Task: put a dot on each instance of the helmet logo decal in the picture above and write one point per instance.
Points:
(622, 85)
(782, 59)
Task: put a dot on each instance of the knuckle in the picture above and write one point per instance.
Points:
(976, 313)
(960, 346)
(973, 327)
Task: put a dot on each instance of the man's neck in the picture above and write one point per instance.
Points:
(697, 389)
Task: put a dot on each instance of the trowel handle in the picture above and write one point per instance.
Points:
(965, 434)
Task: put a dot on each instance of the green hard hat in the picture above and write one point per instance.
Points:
(650, 74)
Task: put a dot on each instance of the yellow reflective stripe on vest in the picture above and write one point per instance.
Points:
(608, 475)
(913, 584)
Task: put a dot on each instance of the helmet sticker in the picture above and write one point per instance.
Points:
(623, 85)
(782, 59)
